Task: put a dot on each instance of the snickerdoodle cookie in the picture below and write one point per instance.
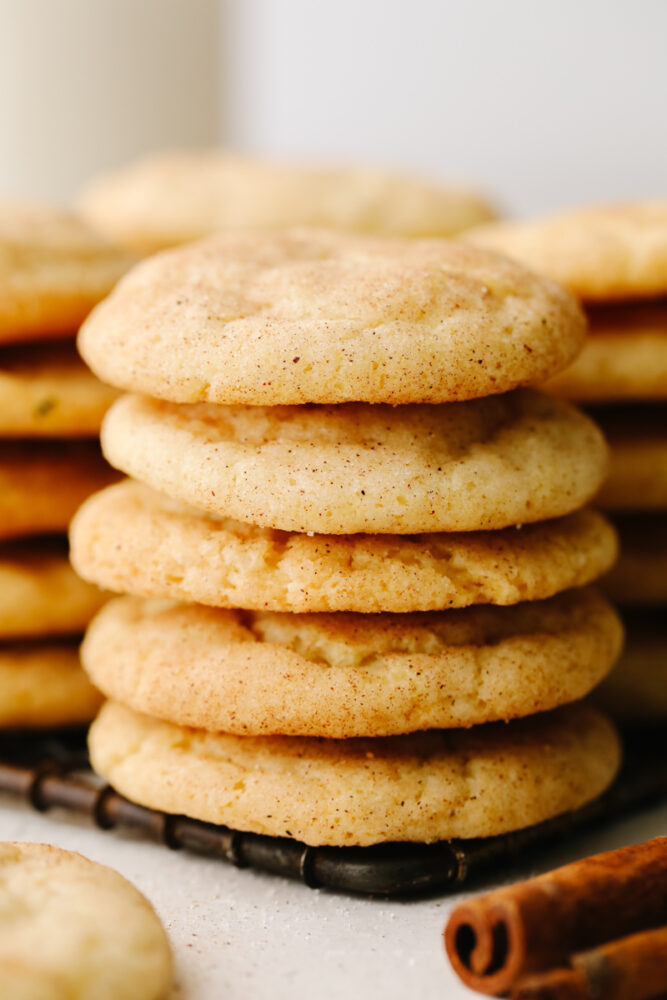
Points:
(171, 198)
(42, 684)
(342, 675)
(53, 270)
(40, 594)
(420, 787)
(481, 464)
(602, 253)
(317, 317)
(47, 391)
(624, 359)
(133, 540)
(76, 930)
(43, 482)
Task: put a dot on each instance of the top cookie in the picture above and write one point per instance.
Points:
(172, 198)
(53, 270)
(312, 316)
(603, 253)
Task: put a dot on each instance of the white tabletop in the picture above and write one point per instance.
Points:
(242, 935)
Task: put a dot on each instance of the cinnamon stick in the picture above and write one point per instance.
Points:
(496, 939)
(633, 968)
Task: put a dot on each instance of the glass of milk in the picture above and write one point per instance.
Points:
(87, 85)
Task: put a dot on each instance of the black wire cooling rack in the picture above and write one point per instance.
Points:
(50, 770)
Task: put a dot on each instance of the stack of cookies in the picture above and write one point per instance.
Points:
(171, 198)
(615, 260)
(53, 270)
(352, 544)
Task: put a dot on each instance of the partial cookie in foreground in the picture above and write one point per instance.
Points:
(76, 930)
(342, 675)
(624, 359)
(46, 390)
(637, 437)
(482, 464)
(40, 594)
(311, 316)
(636, 689)
(175, 197)
(53, 270)
(422, 787)
(133, 540)
(602, 253)
(42, 684)
(640, 575)
(42, 483)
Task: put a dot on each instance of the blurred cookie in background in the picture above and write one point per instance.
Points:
(73, 929)
(53, 269)
(615, 259)
(175, 197)
(623, 360)
(602, 253)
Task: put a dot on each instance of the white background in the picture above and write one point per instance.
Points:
(86, 84)
(542, 103)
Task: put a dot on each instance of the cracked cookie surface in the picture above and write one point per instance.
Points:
(421, 787)
(133, 540)
(343, 674)
(315, 317)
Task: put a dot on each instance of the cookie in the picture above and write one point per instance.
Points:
(624, 359)
(42, 483)
(421, 787)
(603, 253)
(171, 198)
(342, 675)
(637, 477)
(53, 270)
(40, 594)
(636, 689)
(482, 464)
(640, 575)
(132, 540)
(311, 316)
(42, 684)
(45, 390)
(76, 930)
